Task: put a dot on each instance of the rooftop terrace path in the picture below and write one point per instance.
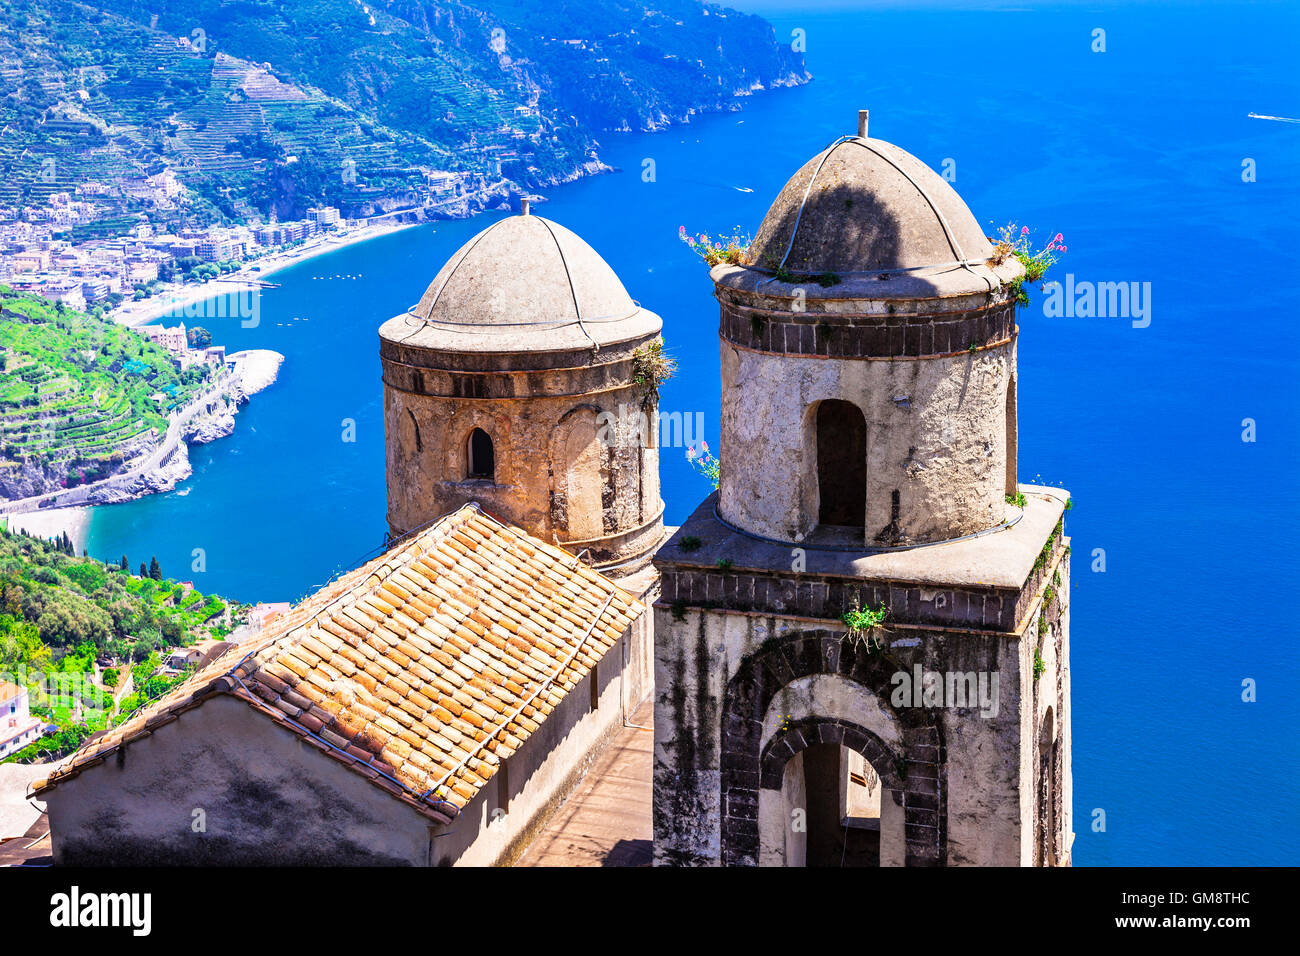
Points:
(606, 822)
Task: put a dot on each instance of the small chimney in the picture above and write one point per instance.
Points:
(523, 206)
(862, 123)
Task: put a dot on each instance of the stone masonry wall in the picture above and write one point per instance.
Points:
(935, 433)
(962, 770)
(561, 471)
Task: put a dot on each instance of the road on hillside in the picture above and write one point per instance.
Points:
(80, 495)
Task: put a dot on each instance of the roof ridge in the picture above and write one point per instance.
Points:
(339, 591)
(221, 675)
(568, 273)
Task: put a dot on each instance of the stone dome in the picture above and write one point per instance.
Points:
(524, 283)
(864, 206)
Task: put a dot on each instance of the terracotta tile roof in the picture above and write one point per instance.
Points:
(422, 669)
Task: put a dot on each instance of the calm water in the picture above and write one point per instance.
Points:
(1134, 154)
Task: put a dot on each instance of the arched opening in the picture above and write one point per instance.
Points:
(843, 807)
(1047, 847)
(904, 746)
(841, 464)
(481, 459)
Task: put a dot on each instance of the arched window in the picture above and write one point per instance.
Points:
(841, 464)
(481, 458)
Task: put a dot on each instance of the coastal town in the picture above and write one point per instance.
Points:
(146, 274)
(161, 251)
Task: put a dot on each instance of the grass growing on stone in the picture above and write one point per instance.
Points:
(732, 249)
(864, 619)
(652, 366)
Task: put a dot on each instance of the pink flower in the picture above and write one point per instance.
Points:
(705, 446)
(1062, 248)
(1058, 238)
(681, 231)
(690, 453)
(1024, 230)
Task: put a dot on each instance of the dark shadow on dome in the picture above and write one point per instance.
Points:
(844, 228)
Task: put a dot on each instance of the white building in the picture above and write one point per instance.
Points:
(18, 728)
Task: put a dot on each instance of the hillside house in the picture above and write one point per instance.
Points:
(18, 728)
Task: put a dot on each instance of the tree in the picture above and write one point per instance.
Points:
(144, 572)
(155, 570)
(70, 620)
(20, 643)
(172, 630)
(125, 566)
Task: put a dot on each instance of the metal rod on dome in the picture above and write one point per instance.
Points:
(862, 123)
(523, 206)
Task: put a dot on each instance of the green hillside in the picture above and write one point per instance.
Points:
(59, 613)
(79, 394)
(261, 106)
(88, 96)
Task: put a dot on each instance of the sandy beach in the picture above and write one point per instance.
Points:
(173, 298)
(52, 522)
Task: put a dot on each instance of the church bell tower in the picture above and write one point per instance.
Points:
(514, 383)
(862, 643)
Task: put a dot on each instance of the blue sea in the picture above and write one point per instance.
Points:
(1139, 156)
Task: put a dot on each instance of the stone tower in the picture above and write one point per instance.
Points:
(513, 383)
(868, 465)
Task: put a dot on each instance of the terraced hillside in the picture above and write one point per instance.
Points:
(59, 613)
(86, 96)
(258, 105)
(81, 397)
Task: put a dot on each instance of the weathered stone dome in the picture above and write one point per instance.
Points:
(869, 346)
(866, 206)
(524, 283)
(516, 382)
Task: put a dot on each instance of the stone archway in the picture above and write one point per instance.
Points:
(1047, 845)
(801, 738)
(916, 769)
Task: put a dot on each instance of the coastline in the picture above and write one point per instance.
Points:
(257, 369)
(52, 522)
(210, 417)
(174, 298)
